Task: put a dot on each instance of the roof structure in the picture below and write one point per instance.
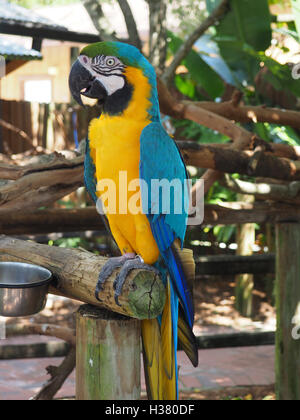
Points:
(12, 13)
(13, 51)
(16, 20)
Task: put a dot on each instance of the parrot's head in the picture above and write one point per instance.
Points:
(115, 74)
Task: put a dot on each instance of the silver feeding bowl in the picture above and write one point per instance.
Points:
(23, 289)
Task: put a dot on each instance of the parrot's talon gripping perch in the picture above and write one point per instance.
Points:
(127, 263)
(131, 264)
(108, 269)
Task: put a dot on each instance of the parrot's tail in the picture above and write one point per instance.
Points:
(160, 351)
(161, 336)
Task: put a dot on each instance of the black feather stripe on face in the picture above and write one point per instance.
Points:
(107, 65)
(119, 101)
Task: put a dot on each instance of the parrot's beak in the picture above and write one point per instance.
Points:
(81, 82)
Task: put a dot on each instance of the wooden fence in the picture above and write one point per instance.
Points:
(25, 125)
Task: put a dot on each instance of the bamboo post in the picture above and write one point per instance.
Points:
(288, 311)
(108, 356)
(245, 282)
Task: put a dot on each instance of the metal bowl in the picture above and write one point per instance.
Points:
(23, 289)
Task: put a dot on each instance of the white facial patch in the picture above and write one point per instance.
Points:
(108, 70)
(111, 83)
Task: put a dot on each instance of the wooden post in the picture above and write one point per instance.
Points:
(288, 311)
(108, 356)
(245, 282)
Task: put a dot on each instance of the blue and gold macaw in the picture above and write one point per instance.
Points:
(129, 137)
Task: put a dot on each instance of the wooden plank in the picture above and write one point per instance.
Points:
(34, 350)
(204, 341)
(108, 356)
(288, 311)
(224, 265)
(240, 339)
(29, 222)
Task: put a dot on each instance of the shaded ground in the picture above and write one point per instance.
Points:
(251, 393)
(215, 311)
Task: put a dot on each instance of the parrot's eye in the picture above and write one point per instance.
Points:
(110, 62)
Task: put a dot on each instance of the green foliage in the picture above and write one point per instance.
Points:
(247, 24)
(296, 11)
(192, 131)
(70, 243)
(199, 71)
(37, 3)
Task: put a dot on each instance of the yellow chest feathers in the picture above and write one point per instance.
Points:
(115, 140)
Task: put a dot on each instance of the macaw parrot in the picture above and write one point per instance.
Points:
(129, 136)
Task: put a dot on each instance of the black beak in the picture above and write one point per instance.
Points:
(81, 82)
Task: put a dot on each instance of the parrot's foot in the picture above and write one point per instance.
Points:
(136, 263)
(108, 269)
(127, 263)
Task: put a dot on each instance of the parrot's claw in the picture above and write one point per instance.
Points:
(108, 269)
(133, 264)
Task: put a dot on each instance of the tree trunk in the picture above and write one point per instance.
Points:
(108, 356)
(288, 311)
(95, 11)
(158, 33)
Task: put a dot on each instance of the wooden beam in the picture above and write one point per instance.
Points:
(47, 33)
(14, 65)
(88, 219)
(76, 274)
(223, 265)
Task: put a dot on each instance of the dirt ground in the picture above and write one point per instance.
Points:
(251, 393)
(215, 307)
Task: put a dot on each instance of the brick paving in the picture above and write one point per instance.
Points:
(218, 368)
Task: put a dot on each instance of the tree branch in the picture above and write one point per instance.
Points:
(183, 51)
(95, 11)
(287, 193)
(58, 376)
(248, 114)
(65, 334)
(130, 24)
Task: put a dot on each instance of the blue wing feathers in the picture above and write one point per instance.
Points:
(89, 173)
(160, 159)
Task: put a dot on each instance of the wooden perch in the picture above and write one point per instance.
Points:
(40, 185)
(66, 334)
(248, 114)
(289, 193)
(242, 162)
(76, 273)
(50, 221)
(224, 213)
